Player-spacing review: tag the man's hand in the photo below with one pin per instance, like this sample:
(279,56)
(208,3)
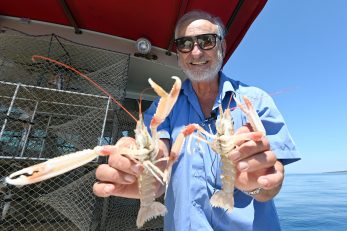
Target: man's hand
(257,167)
(119,176)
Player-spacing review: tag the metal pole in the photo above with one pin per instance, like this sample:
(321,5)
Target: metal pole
(46,134)
(106,200)
(105,119)
(29,129)
(101,221)
(9,109)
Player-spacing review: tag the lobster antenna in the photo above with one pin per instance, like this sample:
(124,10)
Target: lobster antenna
(140,100)
(231,97)
(34,57)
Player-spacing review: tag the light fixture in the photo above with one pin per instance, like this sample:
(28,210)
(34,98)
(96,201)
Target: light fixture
(143,46)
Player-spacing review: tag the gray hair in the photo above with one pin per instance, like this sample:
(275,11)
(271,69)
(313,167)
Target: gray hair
(198,14)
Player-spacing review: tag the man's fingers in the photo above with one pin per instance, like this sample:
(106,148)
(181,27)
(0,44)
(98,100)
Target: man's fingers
(274,177)
(102,189)
(121,162)
(252,146)
(105,173)
(249,148)
(256,162)
(119,176)
(267,178)
(114,182)
(124,164)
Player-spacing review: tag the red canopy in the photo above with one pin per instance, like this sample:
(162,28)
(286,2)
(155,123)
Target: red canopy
(154,19)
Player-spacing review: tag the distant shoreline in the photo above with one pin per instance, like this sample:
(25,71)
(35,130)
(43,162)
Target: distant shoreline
(309,173)
(337,172)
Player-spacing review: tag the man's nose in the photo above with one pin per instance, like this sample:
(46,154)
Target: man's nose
(196,49)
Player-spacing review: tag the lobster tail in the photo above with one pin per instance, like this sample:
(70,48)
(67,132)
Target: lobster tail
(149,212)
(223,200)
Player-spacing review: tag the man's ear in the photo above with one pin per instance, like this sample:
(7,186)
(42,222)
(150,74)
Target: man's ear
(224,47)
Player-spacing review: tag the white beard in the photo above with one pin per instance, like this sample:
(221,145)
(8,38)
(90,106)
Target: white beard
(204,75)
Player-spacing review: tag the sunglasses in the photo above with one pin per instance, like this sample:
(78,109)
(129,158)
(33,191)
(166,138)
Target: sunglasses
(204,41)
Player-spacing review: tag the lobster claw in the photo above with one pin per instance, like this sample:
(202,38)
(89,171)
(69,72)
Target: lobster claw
(52,167)
(166,102)
(252,115)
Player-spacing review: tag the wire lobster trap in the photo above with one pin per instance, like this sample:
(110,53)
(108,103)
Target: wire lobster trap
(41,123)
(38,124)
(107,68)
(46,111)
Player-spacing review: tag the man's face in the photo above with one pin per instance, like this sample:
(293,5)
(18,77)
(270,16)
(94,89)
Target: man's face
(200,65)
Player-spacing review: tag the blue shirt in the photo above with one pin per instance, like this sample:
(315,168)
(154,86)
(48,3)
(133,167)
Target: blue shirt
(196,173)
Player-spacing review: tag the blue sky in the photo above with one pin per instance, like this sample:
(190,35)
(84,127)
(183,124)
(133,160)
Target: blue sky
(301,45)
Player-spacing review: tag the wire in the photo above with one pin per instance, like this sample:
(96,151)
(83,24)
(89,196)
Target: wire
(34,57)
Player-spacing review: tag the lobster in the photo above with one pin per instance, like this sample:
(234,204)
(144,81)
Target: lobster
(224,142)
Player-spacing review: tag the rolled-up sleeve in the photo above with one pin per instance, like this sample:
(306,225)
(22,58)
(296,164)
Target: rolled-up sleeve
(281,142)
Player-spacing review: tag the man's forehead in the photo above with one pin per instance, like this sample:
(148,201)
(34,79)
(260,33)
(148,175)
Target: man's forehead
(197,26)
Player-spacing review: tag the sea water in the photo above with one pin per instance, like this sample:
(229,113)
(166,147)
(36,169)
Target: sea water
(313,202)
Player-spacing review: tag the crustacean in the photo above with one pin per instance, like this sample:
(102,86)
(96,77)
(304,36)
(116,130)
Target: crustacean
(145,152)
(224,141)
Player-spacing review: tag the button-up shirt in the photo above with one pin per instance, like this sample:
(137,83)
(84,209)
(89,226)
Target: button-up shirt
(196,174)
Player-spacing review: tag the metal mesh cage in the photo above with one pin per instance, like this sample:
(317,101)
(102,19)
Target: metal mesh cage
(107,68)
(62,203)
(41,123)
(47,110)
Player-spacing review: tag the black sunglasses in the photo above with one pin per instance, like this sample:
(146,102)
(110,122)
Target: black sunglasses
(204,41)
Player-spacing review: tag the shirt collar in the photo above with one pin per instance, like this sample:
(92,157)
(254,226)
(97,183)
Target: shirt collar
(225,87)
